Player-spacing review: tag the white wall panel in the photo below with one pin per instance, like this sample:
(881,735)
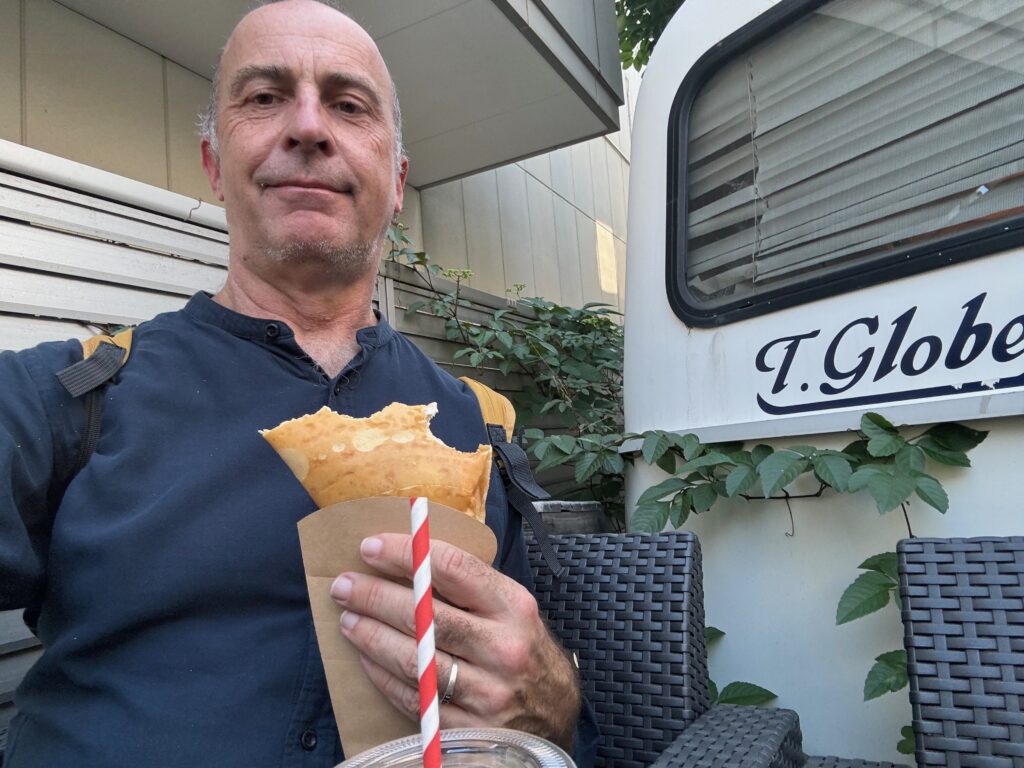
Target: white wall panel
(444,224)
(66,254)
(56,214)
(516,247)
(599,180)
(10,70)
(93,95)
(483,232)
(567,241)
(542,239)
(582,179)
(32,293)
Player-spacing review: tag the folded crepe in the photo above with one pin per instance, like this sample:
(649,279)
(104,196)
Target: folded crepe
(391,453)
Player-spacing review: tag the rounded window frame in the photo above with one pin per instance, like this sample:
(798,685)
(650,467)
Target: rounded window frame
(982,241)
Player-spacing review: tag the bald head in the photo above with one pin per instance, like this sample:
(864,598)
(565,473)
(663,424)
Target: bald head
(271,13)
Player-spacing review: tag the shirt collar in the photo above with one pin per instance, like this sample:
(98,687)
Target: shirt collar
(204,309)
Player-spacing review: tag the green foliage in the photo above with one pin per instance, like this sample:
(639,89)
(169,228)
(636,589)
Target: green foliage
(906,744)
(569,362)
(881,461)
(888,674)
(641,23)
(740,693)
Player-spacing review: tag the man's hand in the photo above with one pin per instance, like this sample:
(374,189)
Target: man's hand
(511,671)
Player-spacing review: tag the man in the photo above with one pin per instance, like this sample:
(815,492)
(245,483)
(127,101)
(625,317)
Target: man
(164,578)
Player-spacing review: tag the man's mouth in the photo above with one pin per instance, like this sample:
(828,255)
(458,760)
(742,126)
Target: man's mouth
(311,184)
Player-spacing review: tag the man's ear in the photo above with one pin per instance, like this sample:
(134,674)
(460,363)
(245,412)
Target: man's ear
(403,171)
(211,165)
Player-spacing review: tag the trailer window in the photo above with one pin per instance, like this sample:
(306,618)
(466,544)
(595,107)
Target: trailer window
(841,144)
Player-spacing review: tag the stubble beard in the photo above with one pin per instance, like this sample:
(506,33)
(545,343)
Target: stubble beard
(346,262)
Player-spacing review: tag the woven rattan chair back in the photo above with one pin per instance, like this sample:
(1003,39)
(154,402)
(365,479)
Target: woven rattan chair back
(631,607)
(963,616)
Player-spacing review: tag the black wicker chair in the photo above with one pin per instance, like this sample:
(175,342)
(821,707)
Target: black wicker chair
(963,616)
(631,607)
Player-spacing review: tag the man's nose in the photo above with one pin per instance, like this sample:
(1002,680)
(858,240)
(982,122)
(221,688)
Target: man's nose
(308,128)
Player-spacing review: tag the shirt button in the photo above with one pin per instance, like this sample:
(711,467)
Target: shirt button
(338,387)
(308,740)
(273,330)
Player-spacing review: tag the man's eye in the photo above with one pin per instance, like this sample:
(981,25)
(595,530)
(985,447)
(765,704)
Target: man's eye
(348,107)
(263,99)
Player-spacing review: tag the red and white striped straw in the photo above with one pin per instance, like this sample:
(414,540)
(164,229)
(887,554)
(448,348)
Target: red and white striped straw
(426,665)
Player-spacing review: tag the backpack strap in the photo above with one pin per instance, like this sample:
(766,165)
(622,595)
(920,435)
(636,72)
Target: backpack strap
(102,358)
(514,467)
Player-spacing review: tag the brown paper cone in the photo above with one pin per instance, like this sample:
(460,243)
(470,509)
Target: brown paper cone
(330,540)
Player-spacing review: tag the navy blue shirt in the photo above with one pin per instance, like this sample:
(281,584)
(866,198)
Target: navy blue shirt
(167,587)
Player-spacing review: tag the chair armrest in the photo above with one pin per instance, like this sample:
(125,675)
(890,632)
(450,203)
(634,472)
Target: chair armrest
(738,737)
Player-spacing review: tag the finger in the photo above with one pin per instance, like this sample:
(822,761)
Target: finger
(379,598)
(404,697)
(390,649)
(457,632)
(466,581)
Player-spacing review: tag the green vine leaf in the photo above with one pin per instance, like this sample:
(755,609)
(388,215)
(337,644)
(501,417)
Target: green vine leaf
(780,469)
(910,459)
(906,745)
(739,480)
(712,692)
(883,439)
(704,497)
(679,509)
(888,674)
(956,437)
(745,694)
(884,563)
(832,470)
(859,480)
(667,462)
(889,491)
(662,489)
(687,444)
(711,634)
(938,452)
(709,459)
(931,492)
(655,445)
(868,593)
(650,517)
(612,463)
(760,453)
(586,466)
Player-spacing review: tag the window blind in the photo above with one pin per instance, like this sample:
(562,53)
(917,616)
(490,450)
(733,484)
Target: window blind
(864,129)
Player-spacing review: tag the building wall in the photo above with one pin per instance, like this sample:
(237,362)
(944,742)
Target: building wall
(555,223)
(73,88)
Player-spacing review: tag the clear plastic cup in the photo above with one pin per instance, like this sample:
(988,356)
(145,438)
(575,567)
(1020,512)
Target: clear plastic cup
(468,748)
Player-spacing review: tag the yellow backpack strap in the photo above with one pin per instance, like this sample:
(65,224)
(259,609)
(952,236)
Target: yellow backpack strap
(102,358)
(521,488)
(122,339)
(494,406)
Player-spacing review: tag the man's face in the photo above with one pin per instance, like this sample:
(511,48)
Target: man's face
(306,166)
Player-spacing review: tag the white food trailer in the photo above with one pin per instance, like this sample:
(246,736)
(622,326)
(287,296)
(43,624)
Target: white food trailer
(826,217)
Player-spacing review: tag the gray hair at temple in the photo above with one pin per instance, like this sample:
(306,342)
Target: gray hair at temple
(208,117)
